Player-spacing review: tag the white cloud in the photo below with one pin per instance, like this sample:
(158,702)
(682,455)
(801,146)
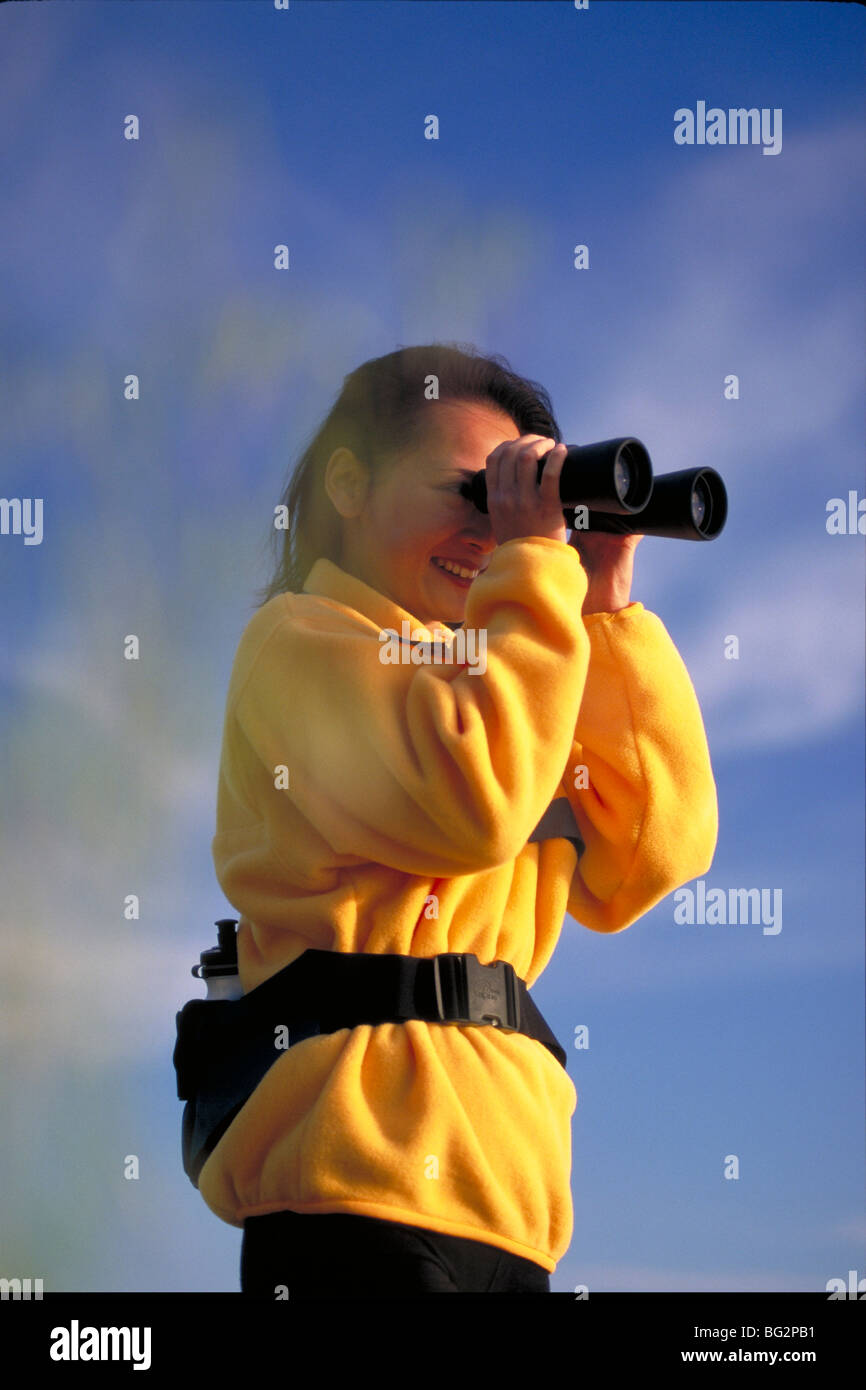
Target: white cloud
(741,299)
(171,775)
(799,675)
(92,998)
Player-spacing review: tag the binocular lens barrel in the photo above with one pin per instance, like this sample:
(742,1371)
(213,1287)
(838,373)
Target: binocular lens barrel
(689,505)
(613,482)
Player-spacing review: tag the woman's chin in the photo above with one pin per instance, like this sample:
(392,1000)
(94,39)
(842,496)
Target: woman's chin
(450,607)
(452,613)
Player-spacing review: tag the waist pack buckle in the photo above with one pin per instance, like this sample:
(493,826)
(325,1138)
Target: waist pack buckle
(469,992)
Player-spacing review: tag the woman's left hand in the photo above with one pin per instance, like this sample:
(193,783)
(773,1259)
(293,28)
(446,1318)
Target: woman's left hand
(609,562)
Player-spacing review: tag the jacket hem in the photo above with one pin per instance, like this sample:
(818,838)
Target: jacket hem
(441,1225)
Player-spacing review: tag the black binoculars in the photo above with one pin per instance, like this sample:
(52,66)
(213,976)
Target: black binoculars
(610,487)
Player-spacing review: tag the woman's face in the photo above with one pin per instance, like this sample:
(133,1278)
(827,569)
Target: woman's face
(414,511)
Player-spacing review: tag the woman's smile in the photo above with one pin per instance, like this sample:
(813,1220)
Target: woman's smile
(462,581)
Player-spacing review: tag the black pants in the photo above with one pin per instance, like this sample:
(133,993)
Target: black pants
(340,1256)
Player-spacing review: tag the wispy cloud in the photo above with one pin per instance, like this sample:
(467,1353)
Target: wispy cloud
(746,240)
(799,623)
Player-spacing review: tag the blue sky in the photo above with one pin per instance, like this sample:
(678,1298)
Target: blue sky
(306,127)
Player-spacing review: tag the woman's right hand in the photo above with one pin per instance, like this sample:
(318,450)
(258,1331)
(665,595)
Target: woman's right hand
(517,504)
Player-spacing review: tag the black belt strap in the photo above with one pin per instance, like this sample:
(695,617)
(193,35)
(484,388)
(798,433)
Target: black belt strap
(225,1047)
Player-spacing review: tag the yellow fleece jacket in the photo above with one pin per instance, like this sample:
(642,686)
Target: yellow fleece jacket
(387,807)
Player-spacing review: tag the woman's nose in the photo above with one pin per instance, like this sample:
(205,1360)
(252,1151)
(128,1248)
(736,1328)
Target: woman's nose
(480,529)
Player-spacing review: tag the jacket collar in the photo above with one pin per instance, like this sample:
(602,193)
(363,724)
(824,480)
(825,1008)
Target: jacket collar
(329,581)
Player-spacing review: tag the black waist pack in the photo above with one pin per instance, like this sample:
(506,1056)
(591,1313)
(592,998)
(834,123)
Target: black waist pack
(225,1046)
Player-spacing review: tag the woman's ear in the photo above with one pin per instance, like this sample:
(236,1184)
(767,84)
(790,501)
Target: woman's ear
(347,482)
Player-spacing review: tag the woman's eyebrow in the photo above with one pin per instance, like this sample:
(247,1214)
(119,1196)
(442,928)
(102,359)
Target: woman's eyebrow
(466,472)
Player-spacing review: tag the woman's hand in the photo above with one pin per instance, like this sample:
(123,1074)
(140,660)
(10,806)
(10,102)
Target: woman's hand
(609,562)
(518,505)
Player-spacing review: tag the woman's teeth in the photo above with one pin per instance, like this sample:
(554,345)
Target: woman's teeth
(459,571)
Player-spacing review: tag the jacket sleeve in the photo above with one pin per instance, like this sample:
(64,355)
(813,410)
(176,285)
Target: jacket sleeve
(649,815)
(431,769)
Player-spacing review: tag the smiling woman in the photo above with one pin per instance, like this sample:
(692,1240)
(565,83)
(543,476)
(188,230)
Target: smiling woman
(392,458)
(406,881)
(414,536)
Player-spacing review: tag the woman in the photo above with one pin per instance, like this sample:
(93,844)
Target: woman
(392,808)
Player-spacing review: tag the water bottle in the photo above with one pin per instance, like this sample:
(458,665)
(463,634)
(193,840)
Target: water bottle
(218,967)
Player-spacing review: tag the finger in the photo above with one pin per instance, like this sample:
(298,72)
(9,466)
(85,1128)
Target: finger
(523,464)
(515,466)
(531,456)
(509,443)
(552,469)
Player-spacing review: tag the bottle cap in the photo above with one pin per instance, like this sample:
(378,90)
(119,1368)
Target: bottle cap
(223,958)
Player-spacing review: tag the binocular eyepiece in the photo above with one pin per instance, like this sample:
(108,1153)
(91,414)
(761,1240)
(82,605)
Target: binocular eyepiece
(610,487)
